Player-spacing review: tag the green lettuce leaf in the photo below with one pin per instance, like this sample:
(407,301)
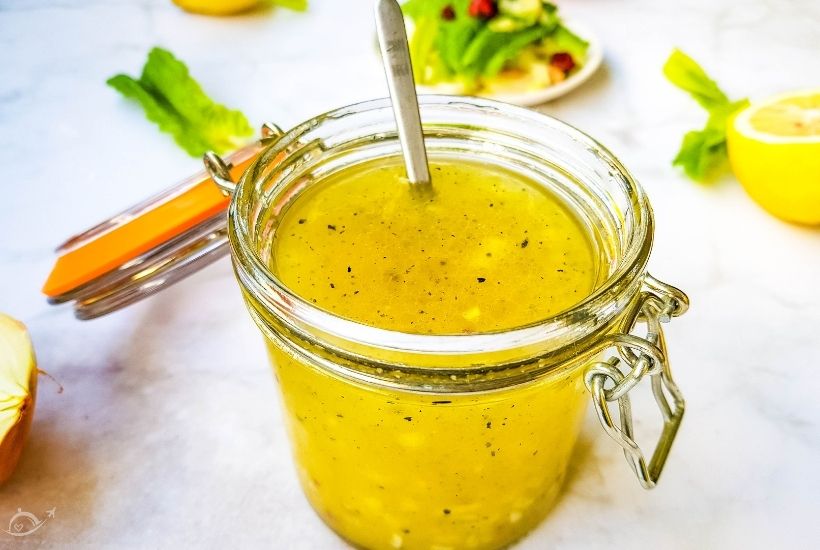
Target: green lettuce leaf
(422,46)
(481,49)
(465,49)
(514,44)
(702,152)
(564,40)
(295,5)
(454,36)
(416,9)
(173,100)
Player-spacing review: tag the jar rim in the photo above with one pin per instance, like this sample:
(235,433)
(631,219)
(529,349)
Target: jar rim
(256,277)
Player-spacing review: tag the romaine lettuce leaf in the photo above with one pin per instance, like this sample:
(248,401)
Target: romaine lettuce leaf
(564,40)
(486,43)
(173,100)
(422,44)
(514,44)
(415,9)
(455,36)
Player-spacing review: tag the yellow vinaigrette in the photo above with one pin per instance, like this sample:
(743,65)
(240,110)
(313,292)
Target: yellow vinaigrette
(488,251)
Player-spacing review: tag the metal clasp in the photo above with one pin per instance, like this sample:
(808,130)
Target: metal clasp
(643,355)
(220,170)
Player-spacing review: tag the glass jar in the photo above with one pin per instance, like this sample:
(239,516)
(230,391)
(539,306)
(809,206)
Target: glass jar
(455,441)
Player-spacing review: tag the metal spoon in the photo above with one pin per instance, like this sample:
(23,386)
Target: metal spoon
(399,73)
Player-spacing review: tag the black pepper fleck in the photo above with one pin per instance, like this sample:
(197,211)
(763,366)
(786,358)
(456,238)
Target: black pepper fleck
(331,227)
(480,279)
(301,221)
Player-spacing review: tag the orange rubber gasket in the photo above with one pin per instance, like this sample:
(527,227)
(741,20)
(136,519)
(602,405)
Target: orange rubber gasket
(123,243)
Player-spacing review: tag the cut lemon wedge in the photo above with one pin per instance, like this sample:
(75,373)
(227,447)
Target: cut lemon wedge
(18,387)
(774,149)
(788,116)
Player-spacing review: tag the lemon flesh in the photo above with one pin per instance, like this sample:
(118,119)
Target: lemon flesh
(774,150)
(18,388)
(216,7)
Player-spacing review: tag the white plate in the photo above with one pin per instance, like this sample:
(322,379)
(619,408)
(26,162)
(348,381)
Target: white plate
(595,56)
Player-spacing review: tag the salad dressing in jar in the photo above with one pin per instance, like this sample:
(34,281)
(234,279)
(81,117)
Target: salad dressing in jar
(487,250)
(434,351)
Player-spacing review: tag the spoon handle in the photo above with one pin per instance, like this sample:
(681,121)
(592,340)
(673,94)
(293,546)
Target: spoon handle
(399,73)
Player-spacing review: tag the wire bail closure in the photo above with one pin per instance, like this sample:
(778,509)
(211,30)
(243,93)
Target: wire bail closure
(646,355)
(171,235)
(220,170)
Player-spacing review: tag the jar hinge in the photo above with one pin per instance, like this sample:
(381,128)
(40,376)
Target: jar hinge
(644,355)
(219,169)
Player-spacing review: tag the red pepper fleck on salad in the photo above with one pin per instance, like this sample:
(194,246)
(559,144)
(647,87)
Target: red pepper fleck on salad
(562,61)
(482,9)
(491,46)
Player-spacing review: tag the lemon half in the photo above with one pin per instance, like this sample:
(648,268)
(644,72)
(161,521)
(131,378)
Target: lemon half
(774,150)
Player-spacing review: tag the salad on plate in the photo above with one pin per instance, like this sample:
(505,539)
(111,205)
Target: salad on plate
(509,49)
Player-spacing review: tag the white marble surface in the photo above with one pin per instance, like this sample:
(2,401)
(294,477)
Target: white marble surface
(169,433)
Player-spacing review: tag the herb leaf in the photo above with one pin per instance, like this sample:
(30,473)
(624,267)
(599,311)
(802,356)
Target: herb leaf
(173,100)
(682,71)
(702,152)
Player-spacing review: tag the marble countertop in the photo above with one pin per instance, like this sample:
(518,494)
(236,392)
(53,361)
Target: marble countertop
(169,433)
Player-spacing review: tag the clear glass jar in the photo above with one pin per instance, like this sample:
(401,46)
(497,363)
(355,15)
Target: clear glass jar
(457,441)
